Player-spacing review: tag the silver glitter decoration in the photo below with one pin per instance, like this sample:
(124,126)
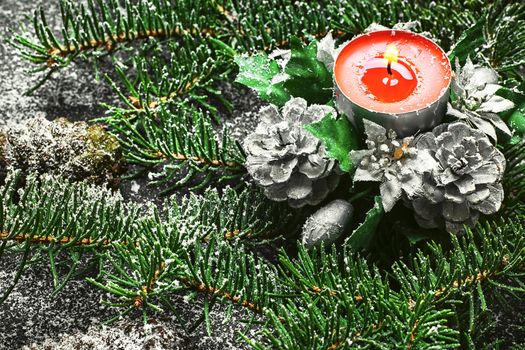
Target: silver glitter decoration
(327,224)
(477,102)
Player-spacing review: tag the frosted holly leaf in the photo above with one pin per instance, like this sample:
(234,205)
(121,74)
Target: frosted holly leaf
(495,104)
(281,56)
(374,131)
(463,75)
(309,77)
(477,78)
(258,73)
(368,174)
(391,191)
(477,103)
(326,51)
(358,155)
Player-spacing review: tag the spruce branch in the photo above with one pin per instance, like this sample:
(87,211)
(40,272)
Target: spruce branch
(514,180)
(318,299)
(488,260)
(77,217)
(264,26)
(48,215)
(184,70)
(37,239)
(418,315)
(336,296)
(506,56)
(88,29)
(146,276)
(107,24)
(183,141)
(354,17)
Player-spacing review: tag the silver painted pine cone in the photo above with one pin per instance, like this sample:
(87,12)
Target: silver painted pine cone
(288,162)
(467,181)
(327,224)
(477,103)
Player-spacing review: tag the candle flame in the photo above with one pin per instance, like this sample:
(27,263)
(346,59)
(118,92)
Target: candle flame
(391,54)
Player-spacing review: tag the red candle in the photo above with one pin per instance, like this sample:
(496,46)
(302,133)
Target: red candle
(395,73)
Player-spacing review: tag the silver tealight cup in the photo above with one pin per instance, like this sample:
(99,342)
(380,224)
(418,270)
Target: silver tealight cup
(404,124)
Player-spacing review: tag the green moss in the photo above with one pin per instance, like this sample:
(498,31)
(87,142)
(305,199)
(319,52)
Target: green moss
(101,140)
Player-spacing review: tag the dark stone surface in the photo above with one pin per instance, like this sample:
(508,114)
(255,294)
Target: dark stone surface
(31,318)
(72,93)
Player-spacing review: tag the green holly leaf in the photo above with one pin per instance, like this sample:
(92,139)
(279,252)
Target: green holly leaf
(467,44)
(412,231)
(257,72)
(363,234)
(338,136)
(309,77)
(515,118)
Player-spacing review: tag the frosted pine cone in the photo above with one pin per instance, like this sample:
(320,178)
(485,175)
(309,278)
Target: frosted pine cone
(286,160)
(467,181)
(477,102)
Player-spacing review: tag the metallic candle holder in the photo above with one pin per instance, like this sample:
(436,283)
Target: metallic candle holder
(407,122)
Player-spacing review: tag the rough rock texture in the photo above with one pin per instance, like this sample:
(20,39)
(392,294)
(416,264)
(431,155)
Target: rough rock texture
(74,150)
(31,318)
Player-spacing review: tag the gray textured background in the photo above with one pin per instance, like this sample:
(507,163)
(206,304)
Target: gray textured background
(30,318)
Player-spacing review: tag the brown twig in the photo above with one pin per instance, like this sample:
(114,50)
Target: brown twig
(203,288)
(135,101)
(228,235)
(41,239)
(138,301)
(211,162)
(109,42)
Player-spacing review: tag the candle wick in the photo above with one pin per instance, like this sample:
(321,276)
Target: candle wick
(389,67)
